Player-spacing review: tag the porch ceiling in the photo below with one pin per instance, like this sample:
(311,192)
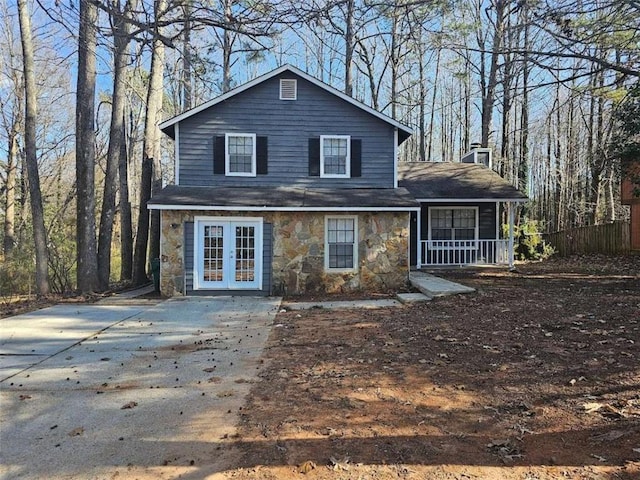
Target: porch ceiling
(455,181)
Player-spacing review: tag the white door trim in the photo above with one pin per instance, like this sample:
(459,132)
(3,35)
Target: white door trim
(199,222)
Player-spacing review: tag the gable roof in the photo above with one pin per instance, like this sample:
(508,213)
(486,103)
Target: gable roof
(453,181)
(168,126)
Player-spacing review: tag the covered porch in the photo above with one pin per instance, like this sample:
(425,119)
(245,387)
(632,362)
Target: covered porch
(460,235)
(463,207)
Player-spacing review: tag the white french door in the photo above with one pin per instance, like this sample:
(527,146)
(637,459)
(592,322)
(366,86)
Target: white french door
(228,254)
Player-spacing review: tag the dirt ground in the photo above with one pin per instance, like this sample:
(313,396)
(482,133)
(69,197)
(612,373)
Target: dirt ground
(534,376)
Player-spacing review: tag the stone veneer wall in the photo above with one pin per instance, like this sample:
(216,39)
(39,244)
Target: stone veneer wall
(298,251)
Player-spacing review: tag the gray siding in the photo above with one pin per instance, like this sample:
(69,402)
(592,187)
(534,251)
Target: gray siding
(288,126)
(267,270)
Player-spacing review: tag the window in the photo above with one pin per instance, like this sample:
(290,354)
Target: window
(288,89)
(240,154)
(335,156)
(453,223)
(341,240)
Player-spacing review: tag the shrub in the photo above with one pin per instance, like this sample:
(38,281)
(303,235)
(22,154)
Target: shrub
(528,241)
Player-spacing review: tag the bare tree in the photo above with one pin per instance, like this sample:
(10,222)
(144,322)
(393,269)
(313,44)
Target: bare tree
(489,93)
(151,166)
(30,118)
(121,39)
(126,223)
(85,148)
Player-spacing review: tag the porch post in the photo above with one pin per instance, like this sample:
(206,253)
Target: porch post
(419,239)
(512,209)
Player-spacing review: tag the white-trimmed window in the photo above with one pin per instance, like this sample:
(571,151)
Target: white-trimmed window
(240,157)
(453,223)
(341,243)
(335,156)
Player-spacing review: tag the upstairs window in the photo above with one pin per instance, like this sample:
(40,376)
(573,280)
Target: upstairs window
(341,252)
(335,156)
(240,154)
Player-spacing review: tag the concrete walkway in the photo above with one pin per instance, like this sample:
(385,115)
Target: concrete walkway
(428,285)
(103,391)
(342,304)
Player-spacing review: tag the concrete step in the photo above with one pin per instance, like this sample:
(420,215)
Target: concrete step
(433,286)
(408,298)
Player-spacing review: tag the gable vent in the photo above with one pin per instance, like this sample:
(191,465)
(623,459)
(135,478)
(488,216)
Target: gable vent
(288,89)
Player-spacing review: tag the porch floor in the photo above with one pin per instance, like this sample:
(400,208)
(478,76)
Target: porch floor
(433,286)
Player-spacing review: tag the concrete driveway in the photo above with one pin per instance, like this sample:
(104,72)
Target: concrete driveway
(130,391)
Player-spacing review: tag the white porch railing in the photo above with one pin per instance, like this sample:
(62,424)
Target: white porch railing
(464,252)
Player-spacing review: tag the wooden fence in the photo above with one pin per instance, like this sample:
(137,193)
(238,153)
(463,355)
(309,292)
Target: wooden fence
(612,238)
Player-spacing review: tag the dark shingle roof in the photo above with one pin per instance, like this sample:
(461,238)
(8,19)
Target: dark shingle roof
(452,180)
(274,198)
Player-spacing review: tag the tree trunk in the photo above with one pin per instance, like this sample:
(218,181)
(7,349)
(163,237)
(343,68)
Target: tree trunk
(87,274)
(126,225)
(523,164)
(107,216)
(186,57)
(142,239)
(227,48)
(349,45)
(10,192)
(423,99)
(433,105)
(150,160)
(31,112)
(394,64)
(490,93)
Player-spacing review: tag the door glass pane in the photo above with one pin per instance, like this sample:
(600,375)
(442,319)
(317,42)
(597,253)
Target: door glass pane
(213,253)
(245,254)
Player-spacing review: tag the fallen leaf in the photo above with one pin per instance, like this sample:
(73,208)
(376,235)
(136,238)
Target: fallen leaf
(76,432)
(129,405)
(307,466)
(340,464)
(591,407)
(209,370)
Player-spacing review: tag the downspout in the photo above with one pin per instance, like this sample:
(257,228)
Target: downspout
(419,239)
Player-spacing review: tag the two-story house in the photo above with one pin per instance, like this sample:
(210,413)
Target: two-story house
(286,185)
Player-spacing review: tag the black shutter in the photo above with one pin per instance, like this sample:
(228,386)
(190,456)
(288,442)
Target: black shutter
(356,158)
(262,155)
(218,155)
(314,157)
